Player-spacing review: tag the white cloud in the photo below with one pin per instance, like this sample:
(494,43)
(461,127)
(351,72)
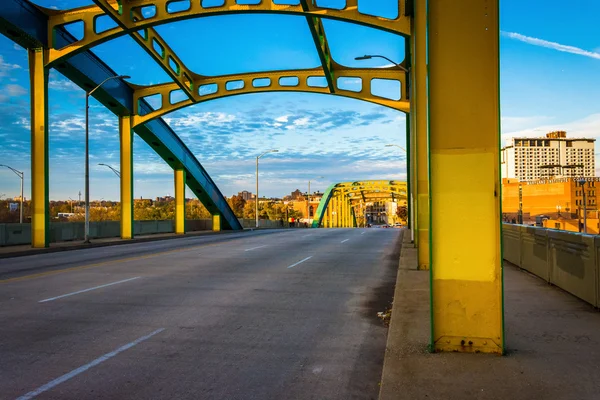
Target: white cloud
(283,118)
(510,124)
(551,45)
(5,68)
(198,119)
(63,84)
(15,90)
(588,127)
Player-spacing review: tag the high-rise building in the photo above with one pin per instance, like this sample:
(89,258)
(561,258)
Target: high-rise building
(246,195)
(550,157)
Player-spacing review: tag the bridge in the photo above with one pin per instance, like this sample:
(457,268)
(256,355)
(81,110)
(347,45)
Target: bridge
(451,68)
(340,202)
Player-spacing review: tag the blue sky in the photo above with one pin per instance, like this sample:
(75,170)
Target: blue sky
(550,79)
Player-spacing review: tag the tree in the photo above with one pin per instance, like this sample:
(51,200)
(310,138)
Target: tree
(402,213)
(237,204)
(249,211)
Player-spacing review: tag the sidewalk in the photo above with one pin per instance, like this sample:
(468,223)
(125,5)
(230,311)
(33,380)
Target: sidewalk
(27,250)
(552,340)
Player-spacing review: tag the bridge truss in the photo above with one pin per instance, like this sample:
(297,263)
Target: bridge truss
(452,52)
(339,207)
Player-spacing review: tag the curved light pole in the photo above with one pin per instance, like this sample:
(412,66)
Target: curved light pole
(117,173)
(87,153)
(256,203)
(21,175)
(308,197)
(368,57)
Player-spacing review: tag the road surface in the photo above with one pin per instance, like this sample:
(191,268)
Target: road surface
(256,315)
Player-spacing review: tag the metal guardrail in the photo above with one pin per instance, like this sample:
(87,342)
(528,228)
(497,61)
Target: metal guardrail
(568,260)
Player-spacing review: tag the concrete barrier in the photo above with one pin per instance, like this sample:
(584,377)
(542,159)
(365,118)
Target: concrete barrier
(19,234)
(262,223)
(198,225)
(534,251)
(511,243)
(568,260)
(572,261)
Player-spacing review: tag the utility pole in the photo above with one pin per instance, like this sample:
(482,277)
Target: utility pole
(582,183)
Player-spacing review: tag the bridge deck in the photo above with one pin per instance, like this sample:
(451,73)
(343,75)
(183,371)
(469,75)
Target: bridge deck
(552,341)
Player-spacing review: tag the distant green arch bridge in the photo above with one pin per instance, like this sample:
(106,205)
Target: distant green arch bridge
(339,204)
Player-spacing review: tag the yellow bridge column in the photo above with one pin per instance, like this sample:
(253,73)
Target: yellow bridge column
(413,147)
(344,212)
(419,74)
(466,258)
(40,220)
(338,209)
(179,201)
(126,144)
(330,213)
(216,222)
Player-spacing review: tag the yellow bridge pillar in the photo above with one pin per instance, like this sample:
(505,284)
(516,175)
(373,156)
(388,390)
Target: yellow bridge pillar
(179,201)
(330,213)
(345,212)
(40,220)
(419,99)
(216,223)
(126,171)
(466,258)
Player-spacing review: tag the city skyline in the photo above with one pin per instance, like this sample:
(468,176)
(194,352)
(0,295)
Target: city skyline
(550,74)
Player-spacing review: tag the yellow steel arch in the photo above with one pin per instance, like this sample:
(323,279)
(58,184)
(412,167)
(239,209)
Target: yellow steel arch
(336,208)
(210,88)
(136,15)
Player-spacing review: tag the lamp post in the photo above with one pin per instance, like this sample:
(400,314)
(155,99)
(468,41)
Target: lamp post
(370,56)
(117,173)
(71,204)
(21,175)
(308,198)
(582,183)
(257,158)
(87,153)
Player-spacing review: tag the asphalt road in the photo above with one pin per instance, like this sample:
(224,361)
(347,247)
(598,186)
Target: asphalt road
(256,315)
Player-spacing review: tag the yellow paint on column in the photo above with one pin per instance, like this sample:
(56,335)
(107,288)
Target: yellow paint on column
(413,142)
(126,171)
(216,222)
(40,220)
(338,214)
(466,258)
(421,131)
(329,214)
(344,212)
(179,201)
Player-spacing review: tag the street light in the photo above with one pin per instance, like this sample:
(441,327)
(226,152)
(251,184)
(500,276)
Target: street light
(117,173)
(308,198)
(398,146)
(257,158)
(368,57)
(21,175)
(87,153)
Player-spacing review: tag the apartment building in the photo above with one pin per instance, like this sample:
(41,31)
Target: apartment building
(550,157)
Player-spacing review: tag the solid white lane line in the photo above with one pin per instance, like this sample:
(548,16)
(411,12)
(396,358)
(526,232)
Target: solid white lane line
(85,367)
(345,240)
(87,290)
(254,248)
(363,233)
(300,262)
